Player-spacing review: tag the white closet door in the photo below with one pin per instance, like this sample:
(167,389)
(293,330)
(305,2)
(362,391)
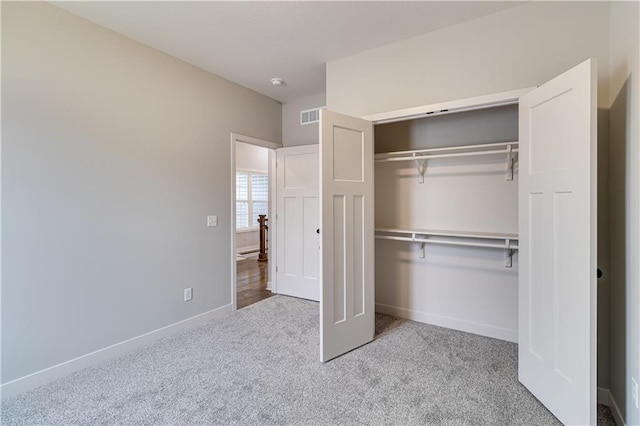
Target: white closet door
(557,225)
(347,234)
(297,241)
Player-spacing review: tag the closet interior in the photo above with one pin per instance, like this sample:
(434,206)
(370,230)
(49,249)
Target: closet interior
(446,220)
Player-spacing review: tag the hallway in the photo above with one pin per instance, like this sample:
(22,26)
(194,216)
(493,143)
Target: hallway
(251,277)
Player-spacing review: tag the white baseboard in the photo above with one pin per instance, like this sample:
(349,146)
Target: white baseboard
(50,374)
(605,397)
(448,322)
(247,249)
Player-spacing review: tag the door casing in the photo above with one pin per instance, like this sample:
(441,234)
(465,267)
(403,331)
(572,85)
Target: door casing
(272,146)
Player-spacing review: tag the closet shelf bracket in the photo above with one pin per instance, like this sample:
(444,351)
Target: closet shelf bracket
(415,239)
(508,254)
(421,167)
(510,163)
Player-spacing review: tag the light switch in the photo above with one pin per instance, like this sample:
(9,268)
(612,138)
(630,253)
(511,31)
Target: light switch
(212,220)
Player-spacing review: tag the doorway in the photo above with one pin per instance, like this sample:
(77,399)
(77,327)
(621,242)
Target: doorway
(253,187)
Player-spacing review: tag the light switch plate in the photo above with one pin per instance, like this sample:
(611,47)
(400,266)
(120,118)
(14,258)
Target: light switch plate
(212,220)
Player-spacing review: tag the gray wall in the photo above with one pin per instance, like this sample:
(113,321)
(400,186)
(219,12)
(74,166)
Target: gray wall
(252,157)
(113,154)
(506,51)
(624,196)
(293,133)
(520,47)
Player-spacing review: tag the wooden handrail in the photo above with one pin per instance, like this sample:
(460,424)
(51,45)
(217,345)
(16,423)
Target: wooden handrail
(262,220)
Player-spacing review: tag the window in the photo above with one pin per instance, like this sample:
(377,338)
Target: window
(252,198)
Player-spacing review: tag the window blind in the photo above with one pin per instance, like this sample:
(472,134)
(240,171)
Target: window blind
(252,198)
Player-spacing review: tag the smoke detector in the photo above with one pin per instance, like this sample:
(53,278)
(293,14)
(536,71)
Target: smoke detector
(278,82)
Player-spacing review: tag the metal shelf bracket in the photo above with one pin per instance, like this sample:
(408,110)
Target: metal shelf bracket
(421,166)
(508,254)
(510,163)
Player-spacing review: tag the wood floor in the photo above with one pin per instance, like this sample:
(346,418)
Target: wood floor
(251,278)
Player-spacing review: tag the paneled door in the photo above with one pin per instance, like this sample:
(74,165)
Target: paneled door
(297,240)
(347,234)
(557,226)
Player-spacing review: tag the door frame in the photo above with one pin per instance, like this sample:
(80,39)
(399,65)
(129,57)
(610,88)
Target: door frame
(272,146)
(467,104)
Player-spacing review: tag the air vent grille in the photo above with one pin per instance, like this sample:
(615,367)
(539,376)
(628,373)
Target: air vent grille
(309,116)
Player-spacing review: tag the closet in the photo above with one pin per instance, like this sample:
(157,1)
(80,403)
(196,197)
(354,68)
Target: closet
(446,220)
(475,226)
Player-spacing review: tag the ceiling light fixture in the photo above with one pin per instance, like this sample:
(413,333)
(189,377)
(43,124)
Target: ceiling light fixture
(278,82)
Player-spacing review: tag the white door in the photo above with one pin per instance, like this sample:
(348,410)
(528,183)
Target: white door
(346,234)
(297,241)
(557,225)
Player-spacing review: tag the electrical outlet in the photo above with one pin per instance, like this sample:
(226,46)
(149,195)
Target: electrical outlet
(634,392)
(212,220)
(188,294)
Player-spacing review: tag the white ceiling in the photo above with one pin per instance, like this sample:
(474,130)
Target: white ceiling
(251,42)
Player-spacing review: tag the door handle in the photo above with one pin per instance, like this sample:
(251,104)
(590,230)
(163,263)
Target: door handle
(318,231)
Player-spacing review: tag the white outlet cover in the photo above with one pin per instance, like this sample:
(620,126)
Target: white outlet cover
(188,294)
(212,220)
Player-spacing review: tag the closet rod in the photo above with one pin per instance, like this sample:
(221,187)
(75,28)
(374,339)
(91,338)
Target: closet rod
(449,148)
(454,234)
(457,154)
(443,242)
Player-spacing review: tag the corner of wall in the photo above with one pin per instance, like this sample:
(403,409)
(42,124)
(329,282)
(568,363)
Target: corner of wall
(293,133)
(624,193)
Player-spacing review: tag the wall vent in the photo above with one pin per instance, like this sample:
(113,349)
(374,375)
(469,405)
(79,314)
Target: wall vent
(309,116)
